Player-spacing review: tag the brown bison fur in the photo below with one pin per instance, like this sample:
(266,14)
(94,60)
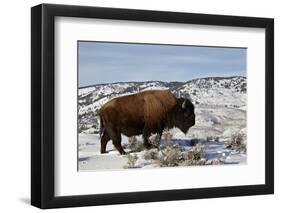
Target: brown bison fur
(143,113)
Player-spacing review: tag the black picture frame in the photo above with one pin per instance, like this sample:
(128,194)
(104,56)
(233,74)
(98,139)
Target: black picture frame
(43,102)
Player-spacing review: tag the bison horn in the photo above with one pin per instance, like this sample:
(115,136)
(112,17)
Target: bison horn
(183,104)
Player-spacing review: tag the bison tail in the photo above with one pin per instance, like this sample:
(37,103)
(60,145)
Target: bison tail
(101,126)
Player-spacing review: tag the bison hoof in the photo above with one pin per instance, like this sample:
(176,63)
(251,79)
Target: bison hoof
(148,146)
(123,153)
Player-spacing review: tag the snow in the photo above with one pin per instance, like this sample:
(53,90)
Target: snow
(217,121)
(90,159)
(220,109)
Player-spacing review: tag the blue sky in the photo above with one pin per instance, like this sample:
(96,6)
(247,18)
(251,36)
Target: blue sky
(105,62)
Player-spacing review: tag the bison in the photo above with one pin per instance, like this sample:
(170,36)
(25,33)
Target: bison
(143,113)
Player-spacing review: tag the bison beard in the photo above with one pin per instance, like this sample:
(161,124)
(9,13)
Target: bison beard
(143,113)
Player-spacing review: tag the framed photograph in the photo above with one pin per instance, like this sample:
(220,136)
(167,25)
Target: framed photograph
(139,106)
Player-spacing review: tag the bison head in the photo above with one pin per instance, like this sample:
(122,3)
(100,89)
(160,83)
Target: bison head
(184,116)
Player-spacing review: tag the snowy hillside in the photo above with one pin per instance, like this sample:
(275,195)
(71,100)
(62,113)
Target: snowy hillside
(220,110)
(214,92)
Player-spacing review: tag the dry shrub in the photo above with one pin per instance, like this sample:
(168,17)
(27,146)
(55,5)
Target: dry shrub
(134,145)
(131,160)
(199,162)
(237,143)
(167,138)
(195,156)
(216,162)
(154,140)
(170,156)
(151,154)
(196,153)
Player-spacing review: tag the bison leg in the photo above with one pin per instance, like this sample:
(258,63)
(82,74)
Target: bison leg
(116,140)
(145,136)
(104,139)
(117,144)
(115,136)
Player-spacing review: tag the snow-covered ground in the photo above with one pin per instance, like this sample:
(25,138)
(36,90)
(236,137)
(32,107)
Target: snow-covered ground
(90,159)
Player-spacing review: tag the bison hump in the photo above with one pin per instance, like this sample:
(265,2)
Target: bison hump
(157,105)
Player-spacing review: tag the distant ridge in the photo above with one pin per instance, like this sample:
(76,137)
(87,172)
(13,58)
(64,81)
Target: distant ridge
(179,82)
